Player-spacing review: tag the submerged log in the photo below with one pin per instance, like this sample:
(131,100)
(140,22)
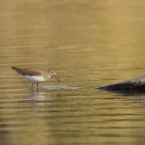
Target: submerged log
(132,84)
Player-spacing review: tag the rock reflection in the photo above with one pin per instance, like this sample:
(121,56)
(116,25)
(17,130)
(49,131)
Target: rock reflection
(140,94)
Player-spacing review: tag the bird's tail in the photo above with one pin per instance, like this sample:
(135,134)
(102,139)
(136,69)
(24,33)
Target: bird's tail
(16,69)
(13,67)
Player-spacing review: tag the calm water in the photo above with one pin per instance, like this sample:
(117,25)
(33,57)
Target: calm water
(89,44)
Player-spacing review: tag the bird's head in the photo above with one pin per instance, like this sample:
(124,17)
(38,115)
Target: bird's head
(52,73)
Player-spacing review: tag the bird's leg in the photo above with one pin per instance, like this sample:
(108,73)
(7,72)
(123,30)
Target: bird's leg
(32,87)
(37,87)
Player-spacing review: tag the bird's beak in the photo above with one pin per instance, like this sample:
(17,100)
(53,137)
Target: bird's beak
(57,78)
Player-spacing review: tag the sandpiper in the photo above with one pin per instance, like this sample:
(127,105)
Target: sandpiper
(35,75)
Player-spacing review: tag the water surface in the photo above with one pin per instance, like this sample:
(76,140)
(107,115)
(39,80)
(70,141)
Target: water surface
(89,44)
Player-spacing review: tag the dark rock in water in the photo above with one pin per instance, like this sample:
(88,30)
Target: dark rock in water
(133,84)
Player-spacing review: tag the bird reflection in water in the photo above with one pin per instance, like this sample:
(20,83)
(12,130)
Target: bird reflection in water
(35,96)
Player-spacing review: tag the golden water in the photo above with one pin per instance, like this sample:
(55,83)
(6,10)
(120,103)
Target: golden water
(89,44)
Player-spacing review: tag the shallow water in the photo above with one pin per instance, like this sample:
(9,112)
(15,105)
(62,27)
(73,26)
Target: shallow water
(88,44)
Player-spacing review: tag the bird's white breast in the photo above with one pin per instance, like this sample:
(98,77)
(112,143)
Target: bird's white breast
(35,79)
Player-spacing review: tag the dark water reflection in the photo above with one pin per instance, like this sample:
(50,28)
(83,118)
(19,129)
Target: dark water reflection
(88,44)
(139,94)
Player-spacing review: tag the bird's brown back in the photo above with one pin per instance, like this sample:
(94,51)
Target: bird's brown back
(31,71)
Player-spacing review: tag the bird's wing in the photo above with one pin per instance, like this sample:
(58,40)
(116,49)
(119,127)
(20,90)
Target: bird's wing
(29,71)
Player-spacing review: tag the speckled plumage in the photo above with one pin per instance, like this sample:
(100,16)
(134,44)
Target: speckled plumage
(35,75)
(32,71)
